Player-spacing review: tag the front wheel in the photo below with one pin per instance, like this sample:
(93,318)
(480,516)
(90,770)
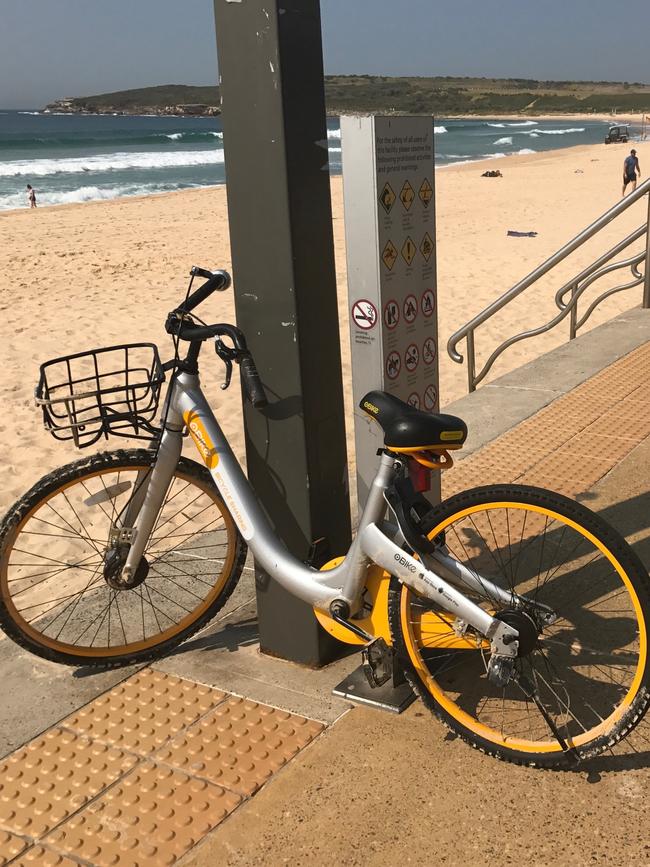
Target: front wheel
(582,681)
(57,596)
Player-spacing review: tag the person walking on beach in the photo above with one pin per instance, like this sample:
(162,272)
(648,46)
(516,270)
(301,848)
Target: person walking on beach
(31,195)
(630,168)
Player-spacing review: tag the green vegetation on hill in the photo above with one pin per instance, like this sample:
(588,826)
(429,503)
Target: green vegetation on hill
(366,93)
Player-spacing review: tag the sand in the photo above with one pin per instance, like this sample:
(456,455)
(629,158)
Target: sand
(81,276)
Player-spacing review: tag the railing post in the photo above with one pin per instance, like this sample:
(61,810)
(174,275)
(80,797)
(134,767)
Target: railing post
(646,276)
(471,362)
(573,318)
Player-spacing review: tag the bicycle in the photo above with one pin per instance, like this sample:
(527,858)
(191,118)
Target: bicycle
(518,616)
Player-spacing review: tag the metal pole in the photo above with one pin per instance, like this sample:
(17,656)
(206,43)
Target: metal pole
(646,280)
(471,362)
(573,316)
(275,141)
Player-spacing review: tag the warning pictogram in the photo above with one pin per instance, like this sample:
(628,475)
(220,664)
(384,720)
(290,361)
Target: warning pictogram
(387,198)
(426,192)
(408,251)
(430,398)
(412,357)
(389,255)
(391,315)
(426,247)
(407,195)
(393,365)
(414,400)
(410,308)
(364,314)
(429,350)
(428,302)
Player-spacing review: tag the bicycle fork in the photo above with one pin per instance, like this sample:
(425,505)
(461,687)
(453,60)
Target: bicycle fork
(142,512)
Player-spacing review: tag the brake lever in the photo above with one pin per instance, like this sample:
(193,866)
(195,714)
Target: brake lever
(227,355)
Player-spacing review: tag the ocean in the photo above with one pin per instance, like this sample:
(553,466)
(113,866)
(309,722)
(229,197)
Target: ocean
(79,158)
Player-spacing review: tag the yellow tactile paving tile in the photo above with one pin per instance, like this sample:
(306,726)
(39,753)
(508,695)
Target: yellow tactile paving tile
(241,744)
(10,847)
(151,818)
(39,856)
(145,711)
(576,440)
(595,445)
(52,777)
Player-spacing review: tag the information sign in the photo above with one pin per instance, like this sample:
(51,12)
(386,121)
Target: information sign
(389,196)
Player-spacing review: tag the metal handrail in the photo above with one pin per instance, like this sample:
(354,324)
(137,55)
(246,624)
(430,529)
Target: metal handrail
(575,287)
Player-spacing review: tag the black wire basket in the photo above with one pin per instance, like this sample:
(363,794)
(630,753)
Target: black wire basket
(112,391)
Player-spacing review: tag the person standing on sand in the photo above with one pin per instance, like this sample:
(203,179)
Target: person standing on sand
(630,168)
(31,195)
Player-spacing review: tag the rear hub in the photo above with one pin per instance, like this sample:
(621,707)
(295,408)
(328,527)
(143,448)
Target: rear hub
(525,626)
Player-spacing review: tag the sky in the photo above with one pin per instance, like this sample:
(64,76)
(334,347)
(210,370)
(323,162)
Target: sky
(55,48)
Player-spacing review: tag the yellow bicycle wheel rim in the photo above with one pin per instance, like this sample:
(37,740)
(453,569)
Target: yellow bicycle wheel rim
(409,633)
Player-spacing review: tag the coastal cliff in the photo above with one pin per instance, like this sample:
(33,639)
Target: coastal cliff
(168,99)
(443,96)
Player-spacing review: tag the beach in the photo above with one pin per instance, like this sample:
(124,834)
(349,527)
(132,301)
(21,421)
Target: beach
(81,276)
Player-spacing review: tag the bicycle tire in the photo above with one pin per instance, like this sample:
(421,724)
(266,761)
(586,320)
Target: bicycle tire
(449,678)
(32,518)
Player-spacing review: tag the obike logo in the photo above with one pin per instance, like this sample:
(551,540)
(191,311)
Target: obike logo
(404,562)
(201,440)
(237,511)
(370,407)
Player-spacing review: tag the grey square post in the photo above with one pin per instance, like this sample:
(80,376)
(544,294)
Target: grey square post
(275,141)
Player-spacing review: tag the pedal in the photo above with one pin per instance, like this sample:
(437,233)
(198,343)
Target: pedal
(377,662)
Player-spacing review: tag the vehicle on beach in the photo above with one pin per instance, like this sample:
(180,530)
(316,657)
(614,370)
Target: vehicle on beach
(617,134)
(519,616)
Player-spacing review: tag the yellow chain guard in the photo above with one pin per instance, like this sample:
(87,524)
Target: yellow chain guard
(375,618)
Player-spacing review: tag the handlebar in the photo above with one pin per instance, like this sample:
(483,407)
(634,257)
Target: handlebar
(252,382)
(183,328)
(217,281)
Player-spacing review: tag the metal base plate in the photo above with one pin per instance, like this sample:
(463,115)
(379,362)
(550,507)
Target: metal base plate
(356,688)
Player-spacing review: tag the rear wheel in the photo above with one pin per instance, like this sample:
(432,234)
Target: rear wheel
(58,597)
(583,679)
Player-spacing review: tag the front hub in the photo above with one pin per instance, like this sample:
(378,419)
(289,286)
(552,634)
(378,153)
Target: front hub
(114,561)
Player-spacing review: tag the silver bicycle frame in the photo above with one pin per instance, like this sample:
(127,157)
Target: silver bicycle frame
(377,541)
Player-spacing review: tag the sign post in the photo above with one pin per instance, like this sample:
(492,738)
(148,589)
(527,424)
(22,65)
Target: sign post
(275,140)
(388,188)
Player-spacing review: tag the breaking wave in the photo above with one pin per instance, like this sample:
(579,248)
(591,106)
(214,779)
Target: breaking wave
(559,131)
(87,194)
(40,168)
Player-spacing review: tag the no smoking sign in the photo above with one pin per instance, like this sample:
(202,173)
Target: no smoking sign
(364,314)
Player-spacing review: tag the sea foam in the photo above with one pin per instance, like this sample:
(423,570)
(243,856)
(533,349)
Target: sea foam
(559,131)
(40,168)
(88,194)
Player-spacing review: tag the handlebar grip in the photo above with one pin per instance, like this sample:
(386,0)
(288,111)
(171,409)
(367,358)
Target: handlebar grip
(217,281)
(252,382)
